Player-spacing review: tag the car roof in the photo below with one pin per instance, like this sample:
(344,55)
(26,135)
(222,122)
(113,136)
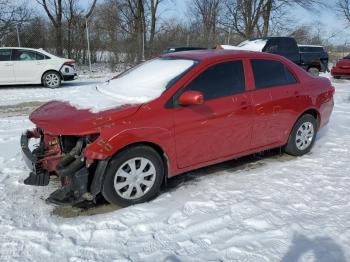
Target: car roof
(26,48)
(217,54)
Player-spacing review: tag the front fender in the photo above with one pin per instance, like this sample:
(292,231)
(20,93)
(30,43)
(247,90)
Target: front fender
(108,144)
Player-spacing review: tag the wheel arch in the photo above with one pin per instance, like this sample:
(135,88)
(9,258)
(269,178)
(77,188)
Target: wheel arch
(314,112)
(97,181)
(50,70)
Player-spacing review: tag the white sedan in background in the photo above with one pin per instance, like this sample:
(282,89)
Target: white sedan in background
(34,66)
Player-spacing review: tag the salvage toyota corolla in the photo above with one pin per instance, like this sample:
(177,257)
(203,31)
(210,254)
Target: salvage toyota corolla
(169,115)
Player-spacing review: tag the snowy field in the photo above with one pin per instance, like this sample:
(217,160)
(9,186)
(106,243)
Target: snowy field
(262,208)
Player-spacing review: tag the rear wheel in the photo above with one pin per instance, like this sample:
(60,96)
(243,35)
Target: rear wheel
(314,71)
(51,79)
(302,136)
(133,176)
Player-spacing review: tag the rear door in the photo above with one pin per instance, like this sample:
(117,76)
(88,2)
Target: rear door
(222,125)
(7,75)
(28,66)
(275,101)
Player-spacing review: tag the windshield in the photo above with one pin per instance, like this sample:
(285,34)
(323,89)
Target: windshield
(146,81)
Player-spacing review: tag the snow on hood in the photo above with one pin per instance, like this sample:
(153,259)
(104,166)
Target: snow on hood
(248,45)
(138,85)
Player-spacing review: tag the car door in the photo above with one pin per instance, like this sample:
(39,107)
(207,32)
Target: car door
(7,75)
(219,127)
(275,101)
(28,66)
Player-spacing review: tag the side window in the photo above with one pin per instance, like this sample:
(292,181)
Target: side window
(24,55)
(5,54)
(40,56)
(269,73)
(220,80)
(271,46)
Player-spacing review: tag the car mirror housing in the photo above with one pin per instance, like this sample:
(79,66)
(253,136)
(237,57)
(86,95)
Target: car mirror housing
(191,98)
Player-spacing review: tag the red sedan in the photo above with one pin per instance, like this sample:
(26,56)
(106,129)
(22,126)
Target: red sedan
(214,105)
(342,68)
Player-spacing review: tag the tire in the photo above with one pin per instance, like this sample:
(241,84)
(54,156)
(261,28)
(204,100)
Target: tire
(123,187)
(299,142)
(336,77)
(51,79)
(314,71)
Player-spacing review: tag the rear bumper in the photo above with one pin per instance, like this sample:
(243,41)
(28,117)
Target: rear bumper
(340,72)
(70,77)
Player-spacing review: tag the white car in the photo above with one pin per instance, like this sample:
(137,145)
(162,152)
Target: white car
(34,66)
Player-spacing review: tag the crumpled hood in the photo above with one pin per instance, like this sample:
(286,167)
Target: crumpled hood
(61,118)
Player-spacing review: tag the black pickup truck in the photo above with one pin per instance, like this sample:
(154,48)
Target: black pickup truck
(313,59)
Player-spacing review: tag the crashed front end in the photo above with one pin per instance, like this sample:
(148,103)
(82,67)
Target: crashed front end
(61,156)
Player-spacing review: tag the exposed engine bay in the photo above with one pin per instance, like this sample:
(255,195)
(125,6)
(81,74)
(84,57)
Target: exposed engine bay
(61,156)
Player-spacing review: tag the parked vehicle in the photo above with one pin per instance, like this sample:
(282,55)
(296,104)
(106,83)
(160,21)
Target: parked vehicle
(20,65)
(342,68)
(208,106)
(181,49)
(313,59)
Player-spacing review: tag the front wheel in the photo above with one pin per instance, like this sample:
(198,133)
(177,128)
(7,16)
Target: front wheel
(302,136)
(51,79)
(133,176)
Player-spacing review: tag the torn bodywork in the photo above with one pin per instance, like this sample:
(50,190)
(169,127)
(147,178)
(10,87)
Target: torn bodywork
(60,156)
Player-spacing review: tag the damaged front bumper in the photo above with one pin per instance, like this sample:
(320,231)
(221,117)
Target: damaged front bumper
(37,176)
(70,168)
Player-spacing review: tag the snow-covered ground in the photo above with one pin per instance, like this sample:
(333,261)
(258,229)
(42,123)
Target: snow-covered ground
(268,208)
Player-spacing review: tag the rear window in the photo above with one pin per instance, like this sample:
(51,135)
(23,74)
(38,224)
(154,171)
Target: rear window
(270,73)
(5,55)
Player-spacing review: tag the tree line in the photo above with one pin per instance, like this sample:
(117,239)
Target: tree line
(128,31)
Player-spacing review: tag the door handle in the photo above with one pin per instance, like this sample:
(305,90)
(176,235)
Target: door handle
(296,93)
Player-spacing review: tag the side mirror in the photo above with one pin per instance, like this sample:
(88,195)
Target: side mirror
(191,98)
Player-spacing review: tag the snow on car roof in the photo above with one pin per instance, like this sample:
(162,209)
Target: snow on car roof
(248,45)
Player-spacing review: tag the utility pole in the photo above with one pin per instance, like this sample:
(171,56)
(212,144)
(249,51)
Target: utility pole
(88,43)
(18,40)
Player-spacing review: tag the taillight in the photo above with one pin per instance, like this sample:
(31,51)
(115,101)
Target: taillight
(69,63)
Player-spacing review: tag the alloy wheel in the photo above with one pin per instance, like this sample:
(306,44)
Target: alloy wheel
(52,80)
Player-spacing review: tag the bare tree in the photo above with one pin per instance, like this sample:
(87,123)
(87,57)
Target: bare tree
(11,14)
(243,16)
(207,12)
(55,11)
(344,8)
